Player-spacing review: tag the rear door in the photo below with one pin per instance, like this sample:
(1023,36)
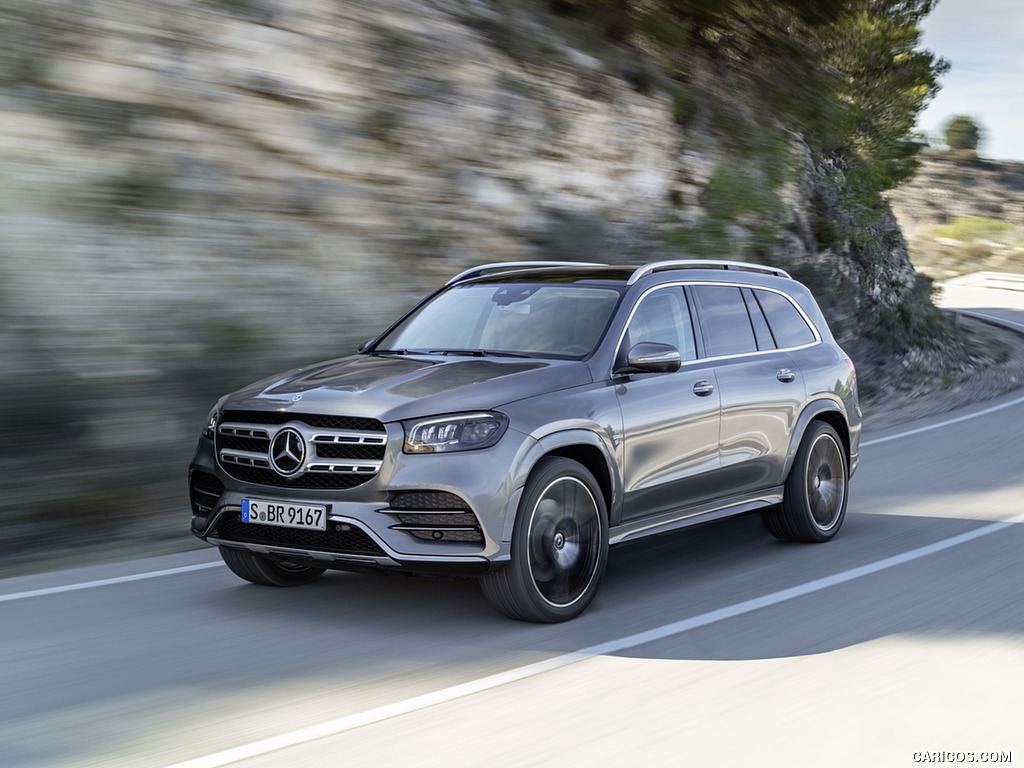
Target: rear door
(761,388)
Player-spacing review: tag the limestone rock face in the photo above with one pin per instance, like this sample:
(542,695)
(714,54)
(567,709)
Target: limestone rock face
(232,155)
(241,158)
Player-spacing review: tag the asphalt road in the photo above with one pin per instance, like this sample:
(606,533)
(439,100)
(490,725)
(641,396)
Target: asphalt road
(900,640)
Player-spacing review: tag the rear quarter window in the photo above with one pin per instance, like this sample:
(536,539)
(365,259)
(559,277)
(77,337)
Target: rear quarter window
(787,324)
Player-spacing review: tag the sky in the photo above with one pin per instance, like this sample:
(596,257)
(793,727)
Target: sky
(984,42)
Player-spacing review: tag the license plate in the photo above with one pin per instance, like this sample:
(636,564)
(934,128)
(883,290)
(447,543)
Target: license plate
(284,514)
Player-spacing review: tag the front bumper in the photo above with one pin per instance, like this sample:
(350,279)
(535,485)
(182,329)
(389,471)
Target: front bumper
(364,528)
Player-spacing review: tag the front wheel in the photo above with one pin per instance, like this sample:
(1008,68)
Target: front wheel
(266,572)
(814,504)
(559,546)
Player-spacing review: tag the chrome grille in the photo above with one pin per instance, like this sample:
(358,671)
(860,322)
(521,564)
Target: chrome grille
(341,451)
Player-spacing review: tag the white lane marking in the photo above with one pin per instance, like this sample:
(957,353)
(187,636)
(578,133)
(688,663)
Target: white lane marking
(416,703)
(994,318)
(108,582)
(946,423)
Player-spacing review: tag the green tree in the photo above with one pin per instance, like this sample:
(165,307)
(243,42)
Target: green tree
(719,26)
(884,81)
(963,133)
(847,74)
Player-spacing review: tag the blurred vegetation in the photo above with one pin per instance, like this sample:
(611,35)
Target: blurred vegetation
(977,228)
(963,133)
(737,192)
(846,74)
(914,322)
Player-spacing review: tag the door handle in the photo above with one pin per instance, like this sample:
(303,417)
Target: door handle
(785,375)
(703,388)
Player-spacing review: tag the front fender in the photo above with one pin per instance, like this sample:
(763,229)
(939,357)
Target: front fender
(582,445)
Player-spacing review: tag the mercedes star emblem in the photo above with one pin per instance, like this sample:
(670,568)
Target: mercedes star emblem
(287,452)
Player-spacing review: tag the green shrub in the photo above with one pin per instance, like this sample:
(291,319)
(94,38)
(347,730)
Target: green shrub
(641,76)
(383,124)
(684,105)
(23,67)
(963,133)
(914,322)
(140,188)
(973,228)
(709,241)
(825,232)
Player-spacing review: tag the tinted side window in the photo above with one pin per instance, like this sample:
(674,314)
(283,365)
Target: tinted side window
(727,328)
(662,316)
(787,324)
(762,332)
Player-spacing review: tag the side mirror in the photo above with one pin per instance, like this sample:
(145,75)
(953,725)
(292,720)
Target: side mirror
(651,357)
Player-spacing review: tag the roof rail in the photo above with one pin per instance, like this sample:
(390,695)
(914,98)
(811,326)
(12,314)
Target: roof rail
(483,269)
(660,266)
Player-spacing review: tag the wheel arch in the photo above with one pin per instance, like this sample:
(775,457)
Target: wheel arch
(587,449)
(829,411)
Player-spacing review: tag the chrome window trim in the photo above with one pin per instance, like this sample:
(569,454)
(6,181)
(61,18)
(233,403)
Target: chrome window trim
(755,353)
(786,296)
(632,312)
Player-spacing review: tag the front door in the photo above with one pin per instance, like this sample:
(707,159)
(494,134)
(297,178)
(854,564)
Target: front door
(670,420)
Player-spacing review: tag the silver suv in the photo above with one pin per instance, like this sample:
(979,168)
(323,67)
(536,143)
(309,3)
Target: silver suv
(525,417)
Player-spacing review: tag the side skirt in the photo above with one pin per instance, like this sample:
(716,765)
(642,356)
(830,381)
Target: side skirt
(671,521)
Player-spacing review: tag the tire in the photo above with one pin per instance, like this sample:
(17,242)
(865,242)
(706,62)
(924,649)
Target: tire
(559,546)
(814,502)
(266,572)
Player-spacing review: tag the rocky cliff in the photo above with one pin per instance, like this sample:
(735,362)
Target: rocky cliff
(195,193)
(963,214)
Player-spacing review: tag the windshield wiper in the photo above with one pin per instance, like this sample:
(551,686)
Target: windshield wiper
(477,353)
(400,352)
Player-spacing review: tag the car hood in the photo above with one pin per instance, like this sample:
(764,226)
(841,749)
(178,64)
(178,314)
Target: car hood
(390,388)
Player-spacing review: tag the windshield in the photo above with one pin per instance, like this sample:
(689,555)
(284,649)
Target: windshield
(536,319)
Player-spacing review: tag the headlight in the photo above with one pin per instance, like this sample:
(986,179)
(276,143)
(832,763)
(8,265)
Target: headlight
(210,428)
(454,433)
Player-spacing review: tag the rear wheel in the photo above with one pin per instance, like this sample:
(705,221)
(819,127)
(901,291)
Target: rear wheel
(266,572)
(559,546)
(814,504)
